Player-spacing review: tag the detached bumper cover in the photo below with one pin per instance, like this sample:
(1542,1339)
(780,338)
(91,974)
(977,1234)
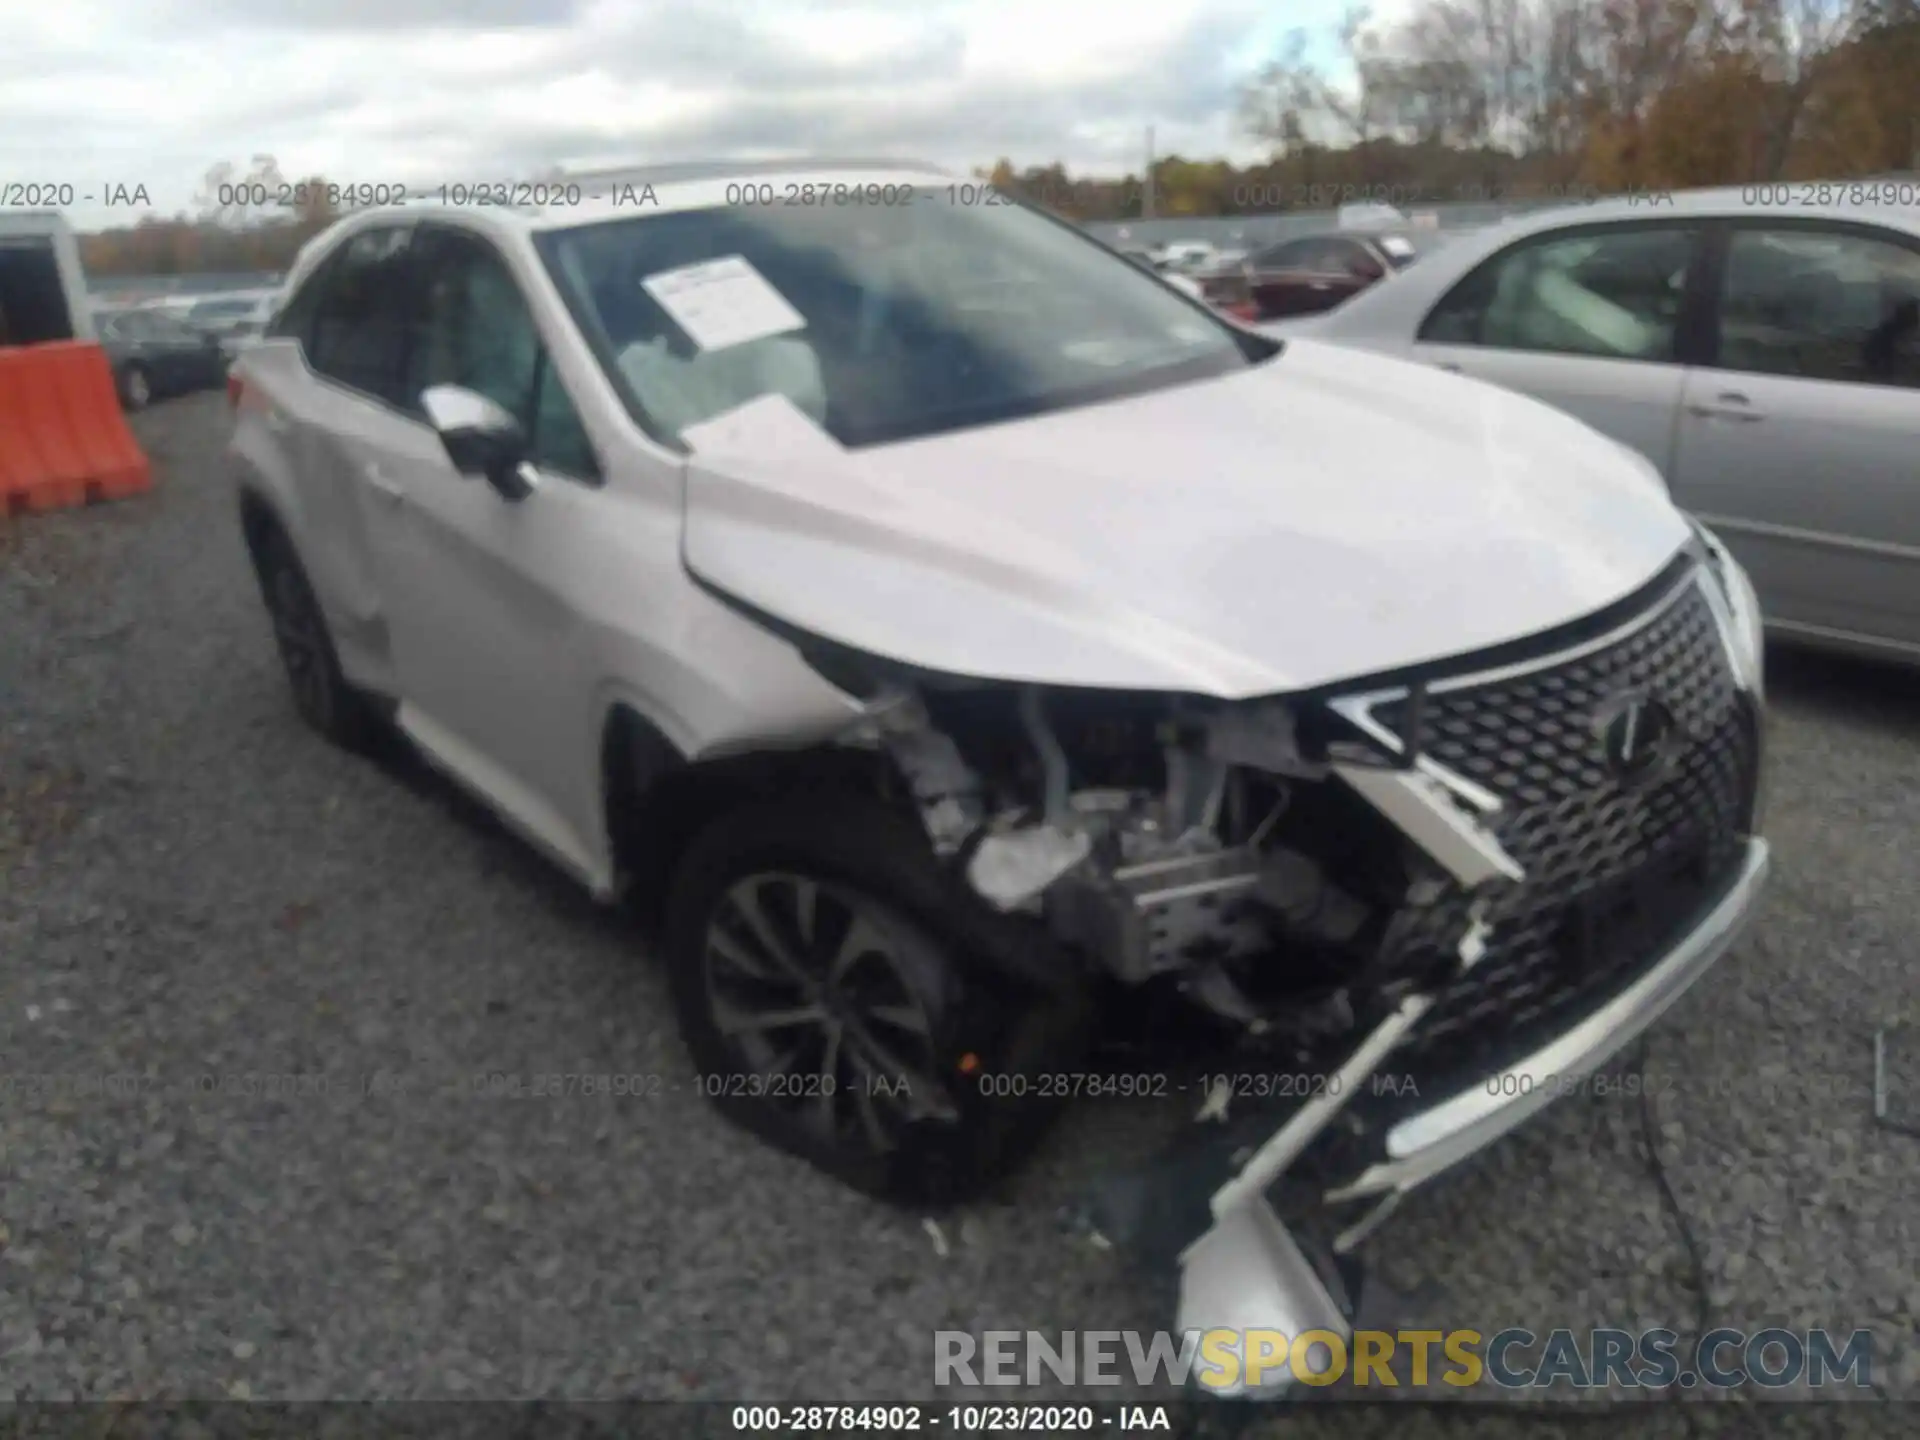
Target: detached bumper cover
(1247,1271)
(1420,1146)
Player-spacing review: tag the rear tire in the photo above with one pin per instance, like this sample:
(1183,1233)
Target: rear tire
(326,701)
(824,940)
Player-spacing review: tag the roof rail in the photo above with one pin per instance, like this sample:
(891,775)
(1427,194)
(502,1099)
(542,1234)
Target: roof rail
(674,171)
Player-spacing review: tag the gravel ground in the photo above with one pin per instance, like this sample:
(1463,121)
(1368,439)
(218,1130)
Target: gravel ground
(192,884)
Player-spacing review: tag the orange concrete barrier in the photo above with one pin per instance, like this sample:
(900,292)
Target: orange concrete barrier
(63,440)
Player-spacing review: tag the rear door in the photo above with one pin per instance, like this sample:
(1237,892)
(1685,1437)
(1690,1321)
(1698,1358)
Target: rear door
(334,409)
(1800,438)
(1597,320)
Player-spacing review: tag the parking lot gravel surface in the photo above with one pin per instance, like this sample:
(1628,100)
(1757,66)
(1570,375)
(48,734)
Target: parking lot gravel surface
(195,890)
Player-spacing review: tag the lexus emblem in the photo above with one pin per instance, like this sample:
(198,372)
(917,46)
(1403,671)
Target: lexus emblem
(1636,736)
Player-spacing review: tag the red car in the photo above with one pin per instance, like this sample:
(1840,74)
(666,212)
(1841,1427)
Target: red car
(1307,275)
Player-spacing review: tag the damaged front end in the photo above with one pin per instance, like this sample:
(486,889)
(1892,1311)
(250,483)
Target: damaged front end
(1264,865)
(1465,877)
(1225,852)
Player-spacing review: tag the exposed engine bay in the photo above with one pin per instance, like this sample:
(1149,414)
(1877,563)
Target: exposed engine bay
(1267,860)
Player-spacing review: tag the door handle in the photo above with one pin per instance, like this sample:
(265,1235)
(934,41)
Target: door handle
(1732,406)
(384,485)
(1452,367)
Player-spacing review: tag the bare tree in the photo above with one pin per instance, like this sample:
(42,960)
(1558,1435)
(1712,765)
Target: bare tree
(1514,73)
(239,199)
(1792,41)
(1434,103)
(1272,107)
(1294,103)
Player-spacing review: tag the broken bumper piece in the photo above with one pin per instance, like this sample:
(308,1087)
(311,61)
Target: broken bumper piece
(1208,1208)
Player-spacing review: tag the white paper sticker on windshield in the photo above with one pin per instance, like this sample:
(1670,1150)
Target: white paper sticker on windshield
(723,302)
(1396,246)
(769,425)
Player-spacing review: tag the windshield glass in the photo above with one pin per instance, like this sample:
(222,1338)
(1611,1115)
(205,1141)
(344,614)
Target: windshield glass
(879,322)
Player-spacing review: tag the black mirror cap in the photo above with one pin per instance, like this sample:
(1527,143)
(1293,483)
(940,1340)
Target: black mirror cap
(491,454)
(481,438)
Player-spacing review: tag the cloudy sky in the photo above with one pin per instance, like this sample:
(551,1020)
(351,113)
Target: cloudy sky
(98,93)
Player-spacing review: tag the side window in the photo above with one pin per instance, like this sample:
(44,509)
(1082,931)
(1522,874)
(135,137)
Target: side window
(477,332)
(1289,255)
(1613,293)
(1323,255)
(1822,305)
(359,328)
(294,319)
(559,439)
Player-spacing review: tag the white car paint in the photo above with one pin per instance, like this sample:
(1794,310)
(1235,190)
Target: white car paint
(1322,517)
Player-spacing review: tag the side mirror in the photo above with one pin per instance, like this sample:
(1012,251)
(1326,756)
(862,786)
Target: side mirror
(481,438)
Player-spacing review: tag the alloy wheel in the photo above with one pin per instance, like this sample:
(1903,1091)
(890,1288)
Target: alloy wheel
(811,985)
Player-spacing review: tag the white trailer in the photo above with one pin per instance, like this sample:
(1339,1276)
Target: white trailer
(43,290)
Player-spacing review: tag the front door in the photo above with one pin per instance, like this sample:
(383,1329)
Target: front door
(1589,320)
(495,661)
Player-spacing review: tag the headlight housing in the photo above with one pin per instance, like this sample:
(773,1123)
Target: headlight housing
(1741,623)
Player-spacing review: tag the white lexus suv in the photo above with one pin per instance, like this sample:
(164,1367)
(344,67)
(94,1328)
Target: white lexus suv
(965,649)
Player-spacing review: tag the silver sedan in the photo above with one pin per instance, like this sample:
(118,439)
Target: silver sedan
(1761,346)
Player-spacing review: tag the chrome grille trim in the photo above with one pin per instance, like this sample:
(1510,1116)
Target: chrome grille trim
(1359,708)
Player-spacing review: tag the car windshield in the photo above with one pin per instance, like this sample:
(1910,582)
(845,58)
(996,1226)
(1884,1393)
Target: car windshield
(880,323)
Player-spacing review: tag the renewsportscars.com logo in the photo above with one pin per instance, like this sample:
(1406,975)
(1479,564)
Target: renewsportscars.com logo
(1512,1359)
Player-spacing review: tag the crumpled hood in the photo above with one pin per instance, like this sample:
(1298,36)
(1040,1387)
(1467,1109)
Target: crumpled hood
(1325,516)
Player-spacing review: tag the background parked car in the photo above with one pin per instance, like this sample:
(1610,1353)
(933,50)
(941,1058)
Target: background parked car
(236,320)
(154,355)
(1185,257)
(175,307)
(1308,275)
(1145,259)
(1767,363)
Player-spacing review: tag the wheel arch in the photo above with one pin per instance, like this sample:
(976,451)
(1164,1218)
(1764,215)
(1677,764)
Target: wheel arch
(656,802)
(260,518)
(655,798)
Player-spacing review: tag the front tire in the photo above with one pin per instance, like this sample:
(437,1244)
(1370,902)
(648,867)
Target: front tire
(821,973)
